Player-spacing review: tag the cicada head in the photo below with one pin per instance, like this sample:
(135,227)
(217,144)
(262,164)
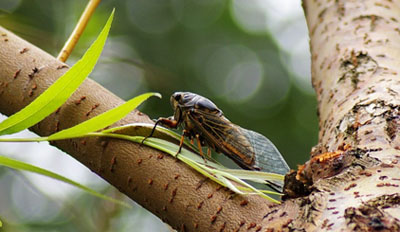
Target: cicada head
(174,100)
(187,101)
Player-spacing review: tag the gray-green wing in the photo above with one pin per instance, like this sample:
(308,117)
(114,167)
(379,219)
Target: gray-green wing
(267,157)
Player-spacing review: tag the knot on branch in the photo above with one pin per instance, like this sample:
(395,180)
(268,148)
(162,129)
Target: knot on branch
(321,166)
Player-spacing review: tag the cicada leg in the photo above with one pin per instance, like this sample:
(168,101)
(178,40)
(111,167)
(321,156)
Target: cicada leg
(171,123)
(200,147)
(181,142)
(209,152)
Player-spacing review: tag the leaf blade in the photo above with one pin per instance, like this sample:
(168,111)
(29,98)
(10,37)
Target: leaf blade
(19,165)
(221,175)
(56,95)
(103,120)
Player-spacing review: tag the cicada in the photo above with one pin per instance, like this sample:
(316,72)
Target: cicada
(204,121)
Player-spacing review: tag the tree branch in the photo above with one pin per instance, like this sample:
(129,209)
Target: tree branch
(168,188)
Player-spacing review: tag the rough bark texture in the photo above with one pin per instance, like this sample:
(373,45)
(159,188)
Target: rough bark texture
(351,182)
(168,188)
(355,72)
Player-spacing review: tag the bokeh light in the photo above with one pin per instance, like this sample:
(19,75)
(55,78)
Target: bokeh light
(8,6)
(233,72)
(197,14)
(151,16)
(284,19)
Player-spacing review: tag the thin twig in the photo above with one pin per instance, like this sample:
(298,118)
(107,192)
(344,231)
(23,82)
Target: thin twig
(80,27)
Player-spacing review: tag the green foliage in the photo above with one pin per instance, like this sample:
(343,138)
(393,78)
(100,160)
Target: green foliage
(15,164)
(230,178)
(167,141)
(102,120)
(145,129)
(58,92)
(54,97)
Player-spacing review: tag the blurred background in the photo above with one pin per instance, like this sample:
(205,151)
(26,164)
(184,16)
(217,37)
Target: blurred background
(250,57)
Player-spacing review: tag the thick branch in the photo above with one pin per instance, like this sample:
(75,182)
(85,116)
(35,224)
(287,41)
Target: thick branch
(168,188)
(355,72)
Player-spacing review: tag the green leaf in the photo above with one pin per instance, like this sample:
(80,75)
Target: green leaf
(218,173)
(103,120)
(229,184)
(144,129)
(258,177)
(15,164)
(214,171)
(1,224)
(60,91)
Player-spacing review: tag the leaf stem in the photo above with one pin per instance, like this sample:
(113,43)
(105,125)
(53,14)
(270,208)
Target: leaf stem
(38,139)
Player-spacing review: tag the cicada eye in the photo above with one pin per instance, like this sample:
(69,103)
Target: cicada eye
(177,96)
(178,114)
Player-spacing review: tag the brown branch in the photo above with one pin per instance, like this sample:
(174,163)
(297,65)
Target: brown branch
(170,189)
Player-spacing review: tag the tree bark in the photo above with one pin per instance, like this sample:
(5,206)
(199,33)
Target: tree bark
(351,182)
(354,171)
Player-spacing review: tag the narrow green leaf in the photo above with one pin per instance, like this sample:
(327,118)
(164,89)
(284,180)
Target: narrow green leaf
(60,91)
(213,171)
(1,224)
(228,183)
(15,164)
(144,129)
(209,169)
(230,178)
(103,120)
(259,177)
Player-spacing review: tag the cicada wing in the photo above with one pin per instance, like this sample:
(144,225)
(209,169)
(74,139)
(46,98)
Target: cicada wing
(267,156)
(249,149)
(225,137)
